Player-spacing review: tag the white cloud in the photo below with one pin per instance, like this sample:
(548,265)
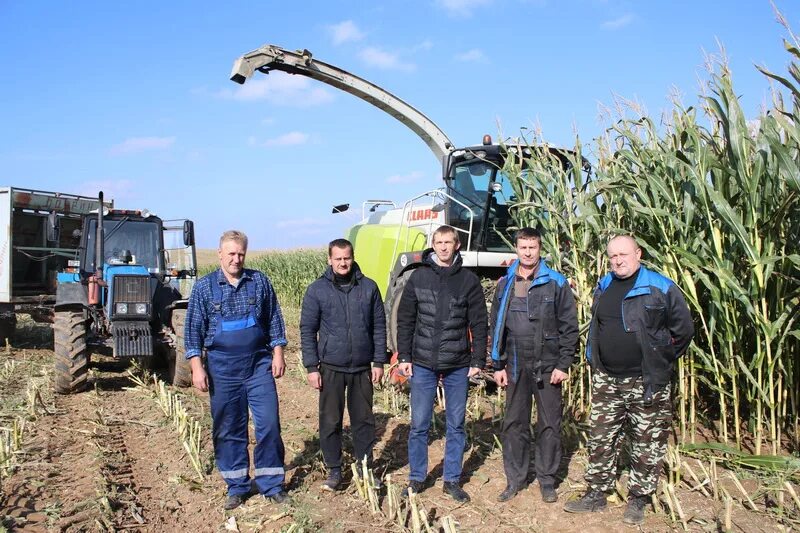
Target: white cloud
(405,178)
(280,88)
(617,23)
(292,138)
(462,8)
(472,56)
(427,44)
(344,32)
(117,190)
(134,145)
(375,57)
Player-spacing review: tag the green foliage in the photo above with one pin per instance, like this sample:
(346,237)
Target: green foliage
(714,200)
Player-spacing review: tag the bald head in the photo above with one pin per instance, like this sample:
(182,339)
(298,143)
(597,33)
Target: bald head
(624,256)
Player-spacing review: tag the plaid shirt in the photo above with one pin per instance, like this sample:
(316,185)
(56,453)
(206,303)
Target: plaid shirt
(201,318)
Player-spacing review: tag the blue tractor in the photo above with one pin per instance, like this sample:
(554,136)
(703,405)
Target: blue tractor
(125,295)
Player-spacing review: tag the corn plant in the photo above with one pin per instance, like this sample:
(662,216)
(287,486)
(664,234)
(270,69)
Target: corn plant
(714,200)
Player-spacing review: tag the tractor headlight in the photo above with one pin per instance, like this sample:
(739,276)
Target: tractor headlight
(121,309)
(141,309)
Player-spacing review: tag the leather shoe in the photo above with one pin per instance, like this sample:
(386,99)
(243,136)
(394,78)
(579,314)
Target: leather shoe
(455,491)
(279,497)
(549,494)
(508,493)
(414,486)
(233,501)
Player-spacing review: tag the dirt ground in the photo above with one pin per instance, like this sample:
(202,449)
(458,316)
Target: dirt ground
(110,460)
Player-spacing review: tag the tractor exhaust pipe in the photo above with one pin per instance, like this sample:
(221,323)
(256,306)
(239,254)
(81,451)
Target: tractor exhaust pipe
(96,278)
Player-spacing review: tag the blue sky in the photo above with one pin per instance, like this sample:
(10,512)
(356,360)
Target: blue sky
(133,97)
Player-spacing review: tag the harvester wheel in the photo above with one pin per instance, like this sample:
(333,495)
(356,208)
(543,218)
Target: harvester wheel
(71,355)
(179,369)
(393,304)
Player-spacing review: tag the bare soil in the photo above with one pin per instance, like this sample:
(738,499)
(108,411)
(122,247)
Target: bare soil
(108,459)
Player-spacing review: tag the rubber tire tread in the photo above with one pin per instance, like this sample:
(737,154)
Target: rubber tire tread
(392,307)
(180,368)
(71,368)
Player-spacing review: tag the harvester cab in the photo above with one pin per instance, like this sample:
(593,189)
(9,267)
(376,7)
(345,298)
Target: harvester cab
(121,294)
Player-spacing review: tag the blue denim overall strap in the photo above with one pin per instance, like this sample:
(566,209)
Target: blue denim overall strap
(241,379)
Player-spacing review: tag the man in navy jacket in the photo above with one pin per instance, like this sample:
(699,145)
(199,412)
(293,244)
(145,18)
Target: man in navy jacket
(343,338)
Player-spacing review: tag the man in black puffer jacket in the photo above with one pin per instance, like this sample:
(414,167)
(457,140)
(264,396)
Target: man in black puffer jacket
(441,332)
(343,335)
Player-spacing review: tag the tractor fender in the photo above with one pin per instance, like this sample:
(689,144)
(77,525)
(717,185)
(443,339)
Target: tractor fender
(71,295)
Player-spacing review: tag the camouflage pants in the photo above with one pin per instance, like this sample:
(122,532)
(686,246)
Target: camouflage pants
(617,402)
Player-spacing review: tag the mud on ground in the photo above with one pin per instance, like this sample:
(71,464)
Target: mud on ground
(110,460)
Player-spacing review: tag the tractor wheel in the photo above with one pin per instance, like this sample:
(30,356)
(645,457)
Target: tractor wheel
(71,355)
(179,369)
(8,325)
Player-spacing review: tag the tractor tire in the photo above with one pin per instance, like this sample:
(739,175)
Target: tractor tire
(71,354)
(179,370)
(8,325)
(392,305)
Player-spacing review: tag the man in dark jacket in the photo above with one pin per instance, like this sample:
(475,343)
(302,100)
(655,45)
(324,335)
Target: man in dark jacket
(441,333)
(640,326)
(343,337)
(534,329)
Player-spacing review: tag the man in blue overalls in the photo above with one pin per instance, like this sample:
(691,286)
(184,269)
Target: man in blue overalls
(234,315)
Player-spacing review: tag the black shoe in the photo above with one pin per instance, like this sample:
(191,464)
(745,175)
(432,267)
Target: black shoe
(549,494)
(279,497)
(334,479)
(509,492)
(590,502)
(455,491)
(414,486)
(634,512)
(233,501)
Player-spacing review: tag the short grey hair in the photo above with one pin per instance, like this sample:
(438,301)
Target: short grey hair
(233,235)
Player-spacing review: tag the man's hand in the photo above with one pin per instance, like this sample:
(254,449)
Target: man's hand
(557,376)
(278,363)
(473,371)
(199,376)
(377,374)
(405,369)
(315,380)
(501,378)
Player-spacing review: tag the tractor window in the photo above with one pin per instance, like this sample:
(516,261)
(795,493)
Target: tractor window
(139,237)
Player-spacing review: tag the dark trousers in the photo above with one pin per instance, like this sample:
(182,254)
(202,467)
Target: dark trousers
(522,388)
(356,390)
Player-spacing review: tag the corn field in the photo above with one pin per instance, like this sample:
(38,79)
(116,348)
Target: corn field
(714,200)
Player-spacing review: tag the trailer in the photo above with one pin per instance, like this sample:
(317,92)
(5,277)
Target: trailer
(41,234)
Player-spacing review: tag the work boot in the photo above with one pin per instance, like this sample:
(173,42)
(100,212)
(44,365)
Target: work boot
(415,486)
(549,494)
(334,479)
(279,497)
(634,512)
(590,502)
(233,501)
(455,491)
(509,492)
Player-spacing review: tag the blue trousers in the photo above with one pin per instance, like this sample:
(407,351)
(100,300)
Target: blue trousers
(423,394)
(230,398)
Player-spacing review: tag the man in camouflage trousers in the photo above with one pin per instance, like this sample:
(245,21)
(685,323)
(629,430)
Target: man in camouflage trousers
(640,325)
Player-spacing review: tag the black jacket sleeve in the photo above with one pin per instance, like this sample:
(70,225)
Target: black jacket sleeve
(476,315)
(567,318)
(378,328)
(406,321)
(679,321)
(309,327)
